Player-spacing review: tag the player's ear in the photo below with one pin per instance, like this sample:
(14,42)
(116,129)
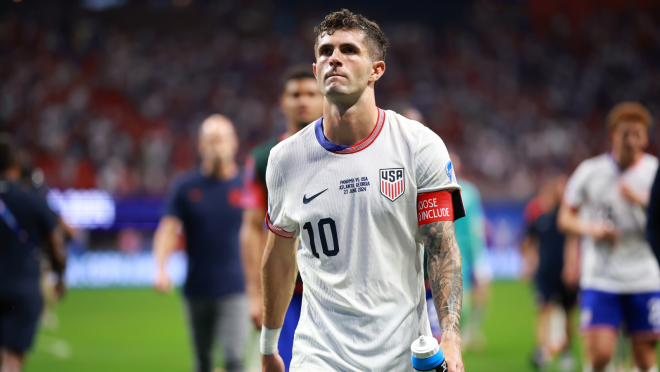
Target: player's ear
(314,68)
(378,71)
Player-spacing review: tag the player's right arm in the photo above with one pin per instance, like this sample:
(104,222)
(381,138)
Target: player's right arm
(165,240)
(570,273)
(569,220)
(278,279)
(278,265)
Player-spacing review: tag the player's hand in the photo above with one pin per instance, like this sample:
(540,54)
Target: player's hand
(452,350)
(630,195)
(256,311)
(272,363)
(605,231)
(163,282)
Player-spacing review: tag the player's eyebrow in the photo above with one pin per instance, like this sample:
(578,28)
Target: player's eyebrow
(329,45)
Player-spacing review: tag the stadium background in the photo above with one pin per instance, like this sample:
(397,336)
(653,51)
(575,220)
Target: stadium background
(104,97)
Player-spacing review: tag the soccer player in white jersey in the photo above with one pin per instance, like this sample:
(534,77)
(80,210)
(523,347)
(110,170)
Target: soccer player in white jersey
(605,202)
(349,187)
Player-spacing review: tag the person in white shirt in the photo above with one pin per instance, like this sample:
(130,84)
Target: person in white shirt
(605,203)
(366,191)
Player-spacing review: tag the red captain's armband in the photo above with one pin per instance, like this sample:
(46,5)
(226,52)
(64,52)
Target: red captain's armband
(434,206)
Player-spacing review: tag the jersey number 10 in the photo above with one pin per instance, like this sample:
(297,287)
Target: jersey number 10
(324,241)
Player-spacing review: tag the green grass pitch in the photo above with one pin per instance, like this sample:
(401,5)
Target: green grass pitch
(126,330)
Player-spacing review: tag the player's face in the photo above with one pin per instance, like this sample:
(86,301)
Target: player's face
(343,66)
(301,101)
(218,142)
(629,138)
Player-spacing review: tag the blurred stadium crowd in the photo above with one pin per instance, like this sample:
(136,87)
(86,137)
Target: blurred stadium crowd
(113,99)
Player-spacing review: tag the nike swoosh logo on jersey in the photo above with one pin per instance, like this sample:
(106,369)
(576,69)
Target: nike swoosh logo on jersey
(305,200)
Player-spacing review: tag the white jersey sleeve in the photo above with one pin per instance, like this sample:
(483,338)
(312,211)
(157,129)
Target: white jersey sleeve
(575,193)
(627,265)
(278,219)
(434,169)
(435,176)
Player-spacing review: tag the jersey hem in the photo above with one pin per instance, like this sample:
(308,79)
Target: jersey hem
(277,230)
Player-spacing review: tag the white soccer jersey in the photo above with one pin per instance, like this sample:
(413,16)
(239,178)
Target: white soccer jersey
(628,266)
(361,255)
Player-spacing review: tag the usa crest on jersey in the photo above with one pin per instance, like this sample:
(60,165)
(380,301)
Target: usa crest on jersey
(392,183)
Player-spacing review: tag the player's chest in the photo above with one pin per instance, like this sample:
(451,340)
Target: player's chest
(605,188)
(369,188)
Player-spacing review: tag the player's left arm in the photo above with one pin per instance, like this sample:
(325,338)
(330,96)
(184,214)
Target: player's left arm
(444,268)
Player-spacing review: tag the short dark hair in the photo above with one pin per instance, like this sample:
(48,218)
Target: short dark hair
(7,152)
(345,20)
(296,72)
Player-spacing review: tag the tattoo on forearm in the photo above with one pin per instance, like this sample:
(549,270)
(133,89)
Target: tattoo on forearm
(444,268)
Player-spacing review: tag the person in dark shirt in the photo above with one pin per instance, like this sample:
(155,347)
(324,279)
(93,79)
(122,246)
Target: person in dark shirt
(543,248)
(653,224)
(26,223)
(206,206)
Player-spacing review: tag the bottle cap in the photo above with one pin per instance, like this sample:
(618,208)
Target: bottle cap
(424,347)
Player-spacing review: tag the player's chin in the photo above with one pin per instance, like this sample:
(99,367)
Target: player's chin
(335,89)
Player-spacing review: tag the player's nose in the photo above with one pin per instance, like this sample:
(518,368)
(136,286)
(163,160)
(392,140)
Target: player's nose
(335,59)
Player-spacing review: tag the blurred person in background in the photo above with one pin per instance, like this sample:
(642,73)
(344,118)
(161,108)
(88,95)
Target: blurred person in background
(471,238)
(32,179)
(605,203)
(206,206)
(543,250)
(302,103)
(26,223)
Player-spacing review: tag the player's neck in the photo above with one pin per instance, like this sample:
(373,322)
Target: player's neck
(222,171)
(292,128)
(625,162)
(347,125)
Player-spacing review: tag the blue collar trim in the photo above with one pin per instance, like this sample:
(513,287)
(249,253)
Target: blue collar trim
(324,142)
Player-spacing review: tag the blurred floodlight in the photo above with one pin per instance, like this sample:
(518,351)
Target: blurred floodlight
(182,3)
(88,209)
(101,4)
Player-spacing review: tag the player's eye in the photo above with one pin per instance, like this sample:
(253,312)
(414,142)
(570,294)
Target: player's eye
(326,51)
(350,50)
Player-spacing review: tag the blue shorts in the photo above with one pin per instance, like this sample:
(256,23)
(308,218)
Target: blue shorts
(639,312)
(285,344)
(19,317)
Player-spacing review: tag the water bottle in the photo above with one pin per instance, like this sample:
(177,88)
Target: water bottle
(427,355)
